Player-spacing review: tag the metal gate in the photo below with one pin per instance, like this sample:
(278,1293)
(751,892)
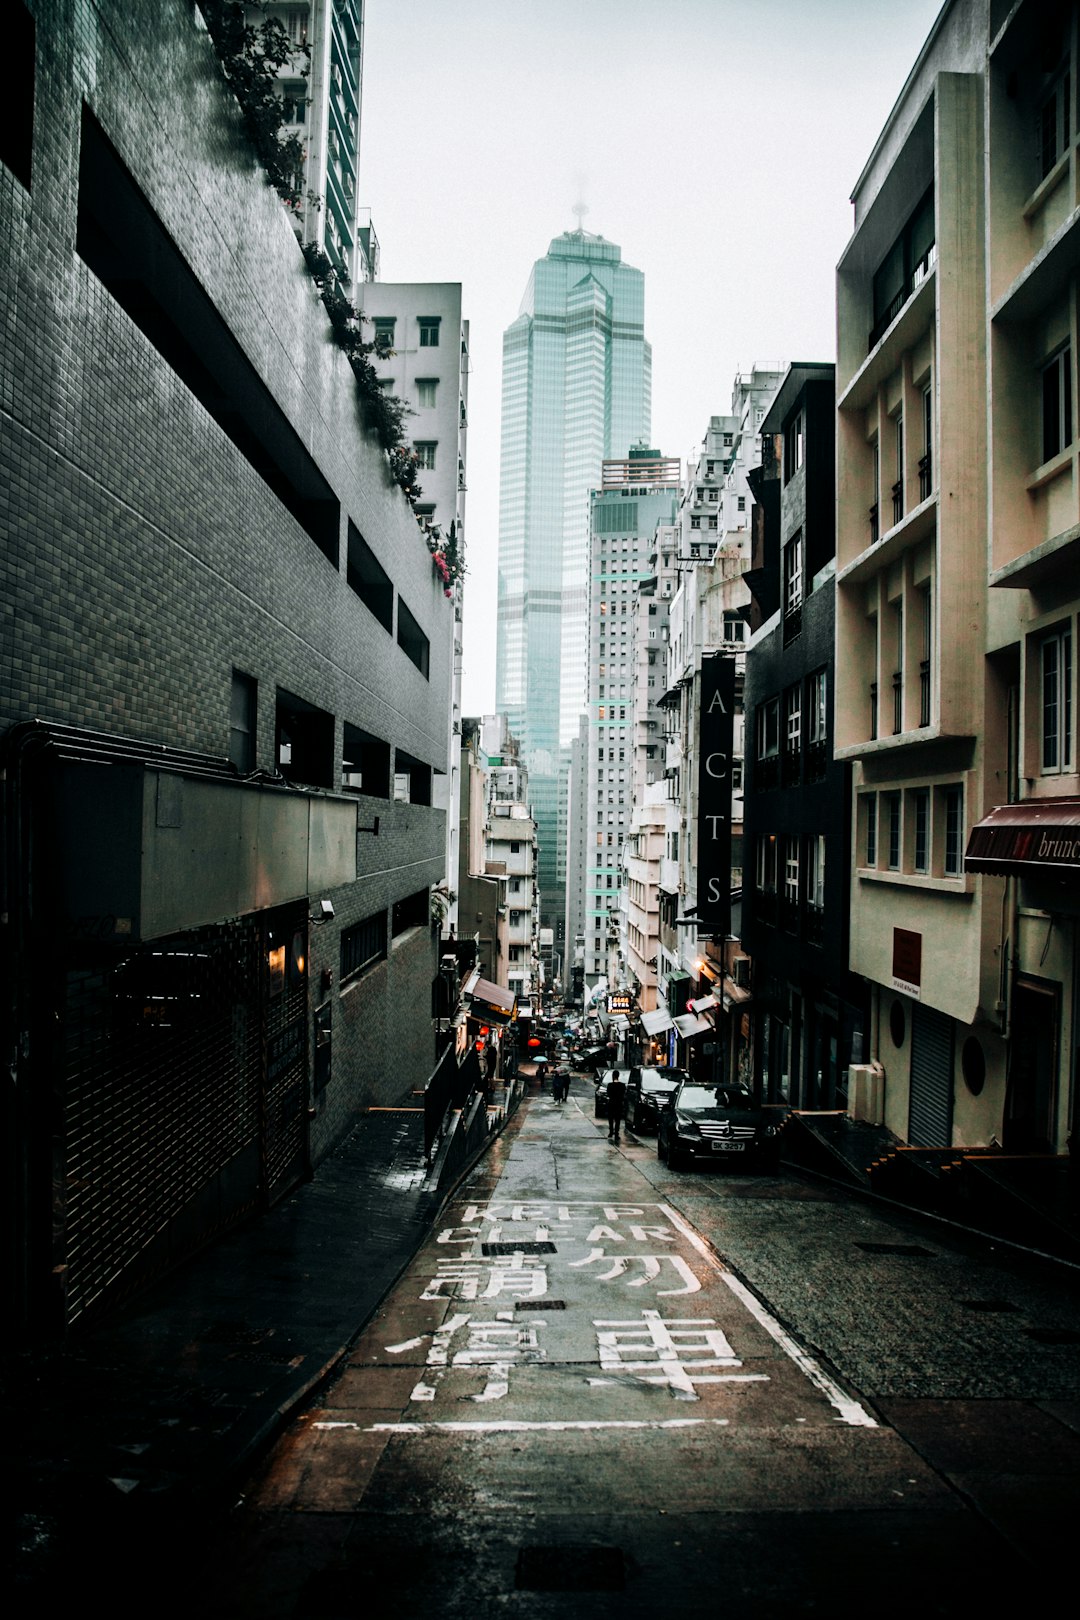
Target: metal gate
(184,1103)
(930,1121)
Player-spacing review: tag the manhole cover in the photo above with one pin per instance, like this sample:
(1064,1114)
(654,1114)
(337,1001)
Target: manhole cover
(987,1305)
(518,1248)
(912,1250)
(1053,1335)
(569,1569)
(540,1304)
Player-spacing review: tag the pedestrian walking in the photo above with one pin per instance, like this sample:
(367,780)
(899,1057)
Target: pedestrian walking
(616,1105)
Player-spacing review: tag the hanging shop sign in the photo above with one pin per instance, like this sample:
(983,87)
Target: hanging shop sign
(716,740)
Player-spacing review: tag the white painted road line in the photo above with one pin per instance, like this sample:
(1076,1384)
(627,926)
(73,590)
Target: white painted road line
(849,1410)
(510,1426)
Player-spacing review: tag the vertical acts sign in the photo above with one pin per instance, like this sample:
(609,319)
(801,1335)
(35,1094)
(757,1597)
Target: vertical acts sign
(716,741)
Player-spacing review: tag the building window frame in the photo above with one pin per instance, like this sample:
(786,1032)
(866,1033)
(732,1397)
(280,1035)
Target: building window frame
(1056,386)
(429,330)
(1056,701)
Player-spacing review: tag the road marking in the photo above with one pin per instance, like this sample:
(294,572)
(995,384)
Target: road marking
(511,1426)
(849,1410)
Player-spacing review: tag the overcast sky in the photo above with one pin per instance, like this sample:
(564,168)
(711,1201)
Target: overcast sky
(717,143)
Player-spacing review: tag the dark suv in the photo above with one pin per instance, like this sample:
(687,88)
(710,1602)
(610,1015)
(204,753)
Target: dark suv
(646,1092)
(718,1122)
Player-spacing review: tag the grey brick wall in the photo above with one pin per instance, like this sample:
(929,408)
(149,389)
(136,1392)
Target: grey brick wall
(145,558)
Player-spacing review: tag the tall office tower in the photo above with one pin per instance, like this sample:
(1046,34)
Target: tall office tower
(576,390)
(636,495)
(321,89)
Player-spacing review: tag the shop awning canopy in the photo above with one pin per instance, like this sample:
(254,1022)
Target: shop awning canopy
(704,1003)
(734,994)
(490,1001)
(689,1025)
(1037,835)
(655,1023)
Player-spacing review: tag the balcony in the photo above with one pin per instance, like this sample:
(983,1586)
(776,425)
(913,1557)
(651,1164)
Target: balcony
(897,702)
(873,711)
(875,528)
(913,283)
(925,479)
(897,501)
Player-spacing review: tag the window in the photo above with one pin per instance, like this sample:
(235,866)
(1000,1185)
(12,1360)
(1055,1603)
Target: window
(412,640)
(766,864)
(1052,125)
(1057,415)
(892,817)
(414,911)
(794,444)
(1056,672)
(304,741)
(926,461)
(954,823)
(429,331)
(793,588)
(768,728)
(383,334)
(924,663)
(792,729)
(729,439)
(898,486)
(425,453)
(921,850)
(369,579)
(412,779)
(362,946)
(871,829)
(816,707)
(365,762)
(815,872)
(425,390)
(242,720)
(17,128)
(294,101)
(742,503)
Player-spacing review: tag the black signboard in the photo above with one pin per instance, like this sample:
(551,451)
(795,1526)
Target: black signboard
(716,739)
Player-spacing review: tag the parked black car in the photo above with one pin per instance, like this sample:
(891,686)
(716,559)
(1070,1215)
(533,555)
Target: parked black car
(718,1122)
(646,1092)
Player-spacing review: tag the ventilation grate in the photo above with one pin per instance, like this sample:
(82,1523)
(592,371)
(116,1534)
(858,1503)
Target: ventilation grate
(518,1248)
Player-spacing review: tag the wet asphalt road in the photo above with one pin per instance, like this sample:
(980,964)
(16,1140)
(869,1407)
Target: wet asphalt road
(606,1388)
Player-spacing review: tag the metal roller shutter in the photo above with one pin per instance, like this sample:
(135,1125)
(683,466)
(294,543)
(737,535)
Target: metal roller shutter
(930,1121)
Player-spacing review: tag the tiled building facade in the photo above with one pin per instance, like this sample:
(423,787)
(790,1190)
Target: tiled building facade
(224,682)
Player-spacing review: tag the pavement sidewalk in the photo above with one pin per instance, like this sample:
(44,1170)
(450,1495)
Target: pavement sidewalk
(155,1415)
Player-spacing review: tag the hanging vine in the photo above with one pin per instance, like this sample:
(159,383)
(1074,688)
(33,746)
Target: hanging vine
(251,55)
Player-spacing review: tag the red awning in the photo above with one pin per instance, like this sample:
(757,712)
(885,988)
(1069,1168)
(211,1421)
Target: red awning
(1040,834)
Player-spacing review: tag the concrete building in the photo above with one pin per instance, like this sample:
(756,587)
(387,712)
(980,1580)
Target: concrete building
(576,390)
(423,341)
(226,645)
(635,495)
(322,90)
(707,619)
(808,1011)
(957,586)
(510,855)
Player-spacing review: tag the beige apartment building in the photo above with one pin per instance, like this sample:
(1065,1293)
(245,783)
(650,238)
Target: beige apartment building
(957,587)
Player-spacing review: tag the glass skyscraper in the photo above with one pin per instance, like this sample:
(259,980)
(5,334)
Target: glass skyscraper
(577,384)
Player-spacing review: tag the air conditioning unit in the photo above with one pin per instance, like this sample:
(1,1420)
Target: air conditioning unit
(353,779)
(740,972)
(866,1092)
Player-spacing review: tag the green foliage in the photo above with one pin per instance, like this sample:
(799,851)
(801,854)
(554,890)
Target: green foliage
(250,57)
